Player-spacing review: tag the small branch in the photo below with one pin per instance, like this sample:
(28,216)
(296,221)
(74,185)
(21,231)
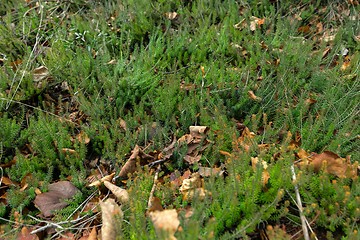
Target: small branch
(299,205)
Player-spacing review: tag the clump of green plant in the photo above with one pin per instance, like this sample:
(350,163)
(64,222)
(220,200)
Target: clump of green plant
(161,67)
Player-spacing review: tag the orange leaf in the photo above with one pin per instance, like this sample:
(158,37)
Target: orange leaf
(331,163)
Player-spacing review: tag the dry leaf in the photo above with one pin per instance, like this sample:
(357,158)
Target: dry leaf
(256,22)
(193,187)
(331,163)
(122,124)
(252,95)
(265,176)
(54,198)
(166,223)
(112,216)
(25,234)
(207,172)
(68,151)
(93,234)
(40,73)
(155,204)
(195,142)
(304,29)
(83,137)
(130,166)
(171,15)
(121,194)
(112,62)
(198,131)
(99,182)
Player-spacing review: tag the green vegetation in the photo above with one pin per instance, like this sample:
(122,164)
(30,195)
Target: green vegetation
(79,68)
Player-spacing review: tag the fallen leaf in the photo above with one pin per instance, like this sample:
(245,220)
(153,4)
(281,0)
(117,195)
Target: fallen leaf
(171,15)
(68,151)
(256,22)
(207,172)
(25,234)
(54,198)
(93,234)
(252,95)
(40,73)
(346,63)
(112,216)
(331,163)
(122,124)
(99,182)
(6,181)
(166,223)
(130,166)
(83,137)
(193,187)
(121,194)
(304,29)
(112,62)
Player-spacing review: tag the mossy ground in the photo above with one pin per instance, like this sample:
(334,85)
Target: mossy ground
(80,69)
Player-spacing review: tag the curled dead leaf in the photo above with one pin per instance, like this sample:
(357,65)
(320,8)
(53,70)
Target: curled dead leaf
(99,182)
(121,194)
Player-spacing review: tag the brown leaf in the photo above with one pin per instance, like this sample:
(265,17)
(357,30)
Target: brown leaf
(130,166)
(93,234)
(122,124)
(155,204)
(99,182)
(25,234)
(54,198)
(121,194)
(6,181)
(252,95)
(304,29)
(112,216)
(165,222)
(83,137)
(265,176)
(331,163)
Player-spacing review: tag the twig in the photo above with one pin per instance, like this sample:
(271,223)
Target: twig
(154,186)
(299,205)
(312,221)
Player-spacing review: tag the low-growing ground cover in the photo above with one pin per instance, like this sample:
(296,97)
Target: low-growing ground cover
(213,119)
